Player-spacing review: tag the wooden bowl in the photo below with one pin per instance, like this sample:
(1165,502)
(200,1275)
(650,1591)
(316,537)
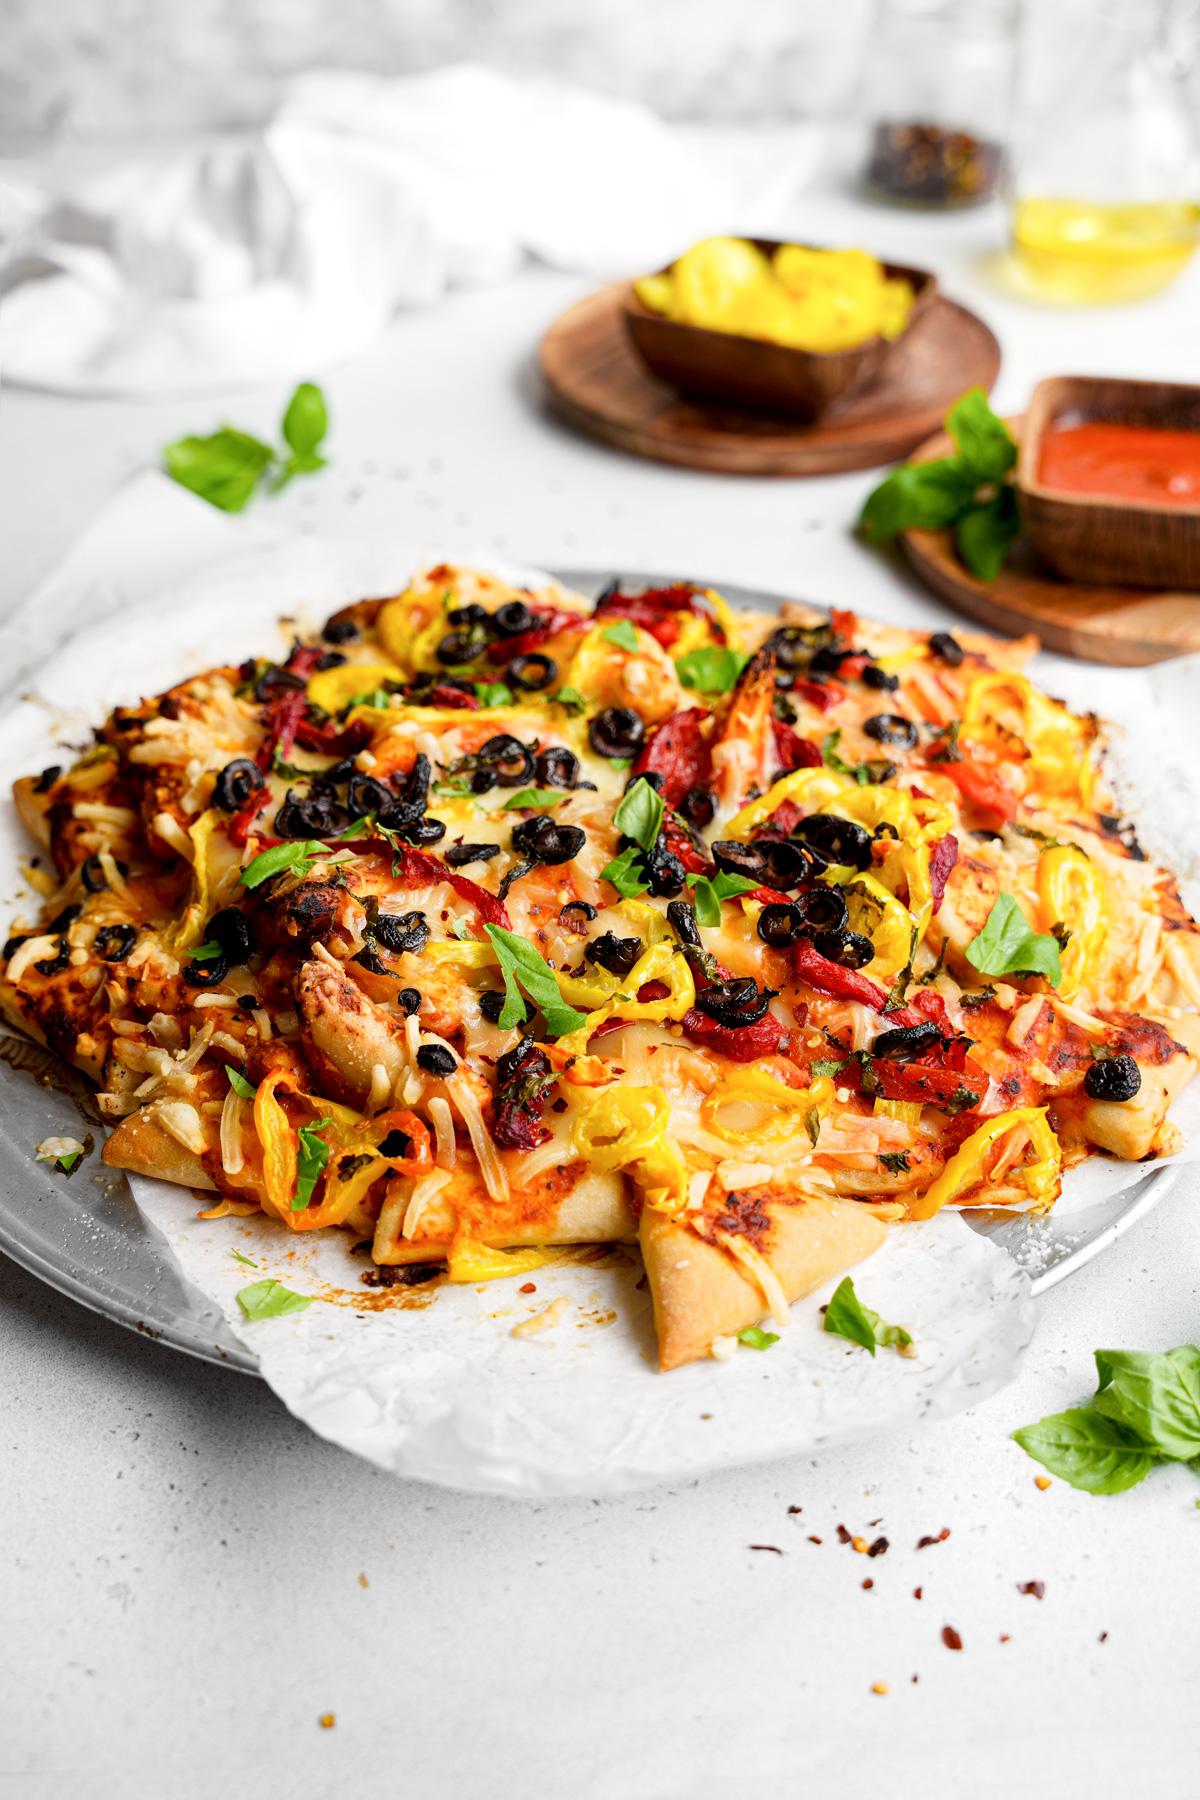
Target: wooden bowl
(1091,538)
(754,373)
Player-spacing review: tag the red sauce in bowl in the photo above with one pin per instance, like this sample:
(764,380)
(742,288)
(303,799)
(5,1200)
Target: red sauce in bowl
(1123,462)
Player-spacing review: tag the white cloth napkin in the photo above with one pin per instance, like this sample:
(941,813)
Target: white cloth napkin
(249,262)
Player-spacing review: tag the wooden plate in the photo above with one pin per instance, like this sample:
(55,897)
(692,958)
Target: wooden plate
(597,382)
(1129,627)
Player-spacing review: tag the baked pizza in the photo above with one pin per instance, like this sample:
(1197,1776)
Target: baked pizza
(490,921)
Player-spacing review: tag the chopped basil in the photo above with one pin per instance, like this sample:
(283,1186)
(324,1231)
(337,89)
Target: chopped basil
(622,634)
(831,1066)
(708,891)
(247,1261)
(571,699)
(626,874)
(207,952)
(847,1317)
(493,693)
(713,669)
(533,796)
(522,967)
(640,814)
(895,1160)
(859,772)
(1006,945)
(239,1084)
(270,1300)
(312,1154)
(755,1338)
(292,859)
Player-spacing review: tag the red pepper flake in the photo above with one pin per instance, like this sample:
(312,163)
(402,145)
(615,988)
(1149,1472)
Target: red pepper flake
(943,1534)
(1006,1637)
(868,1583)
(773,1548)
(915,1680)
(794,1509)
(918,1593)
(1103,1638)
(527,1287)
(1036,1588)
(815,1540)
(951,1638)
(878,1548)
(844,1536)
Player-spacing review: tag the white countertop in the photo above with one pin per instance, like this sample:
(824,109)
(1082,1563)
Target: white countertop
(190,1578)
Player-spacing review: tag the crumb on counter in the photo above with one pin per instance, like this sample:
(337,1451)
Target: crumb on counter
(327,1721)
(1042,1482)
(879,1687)
(542,1321)
(951,1638)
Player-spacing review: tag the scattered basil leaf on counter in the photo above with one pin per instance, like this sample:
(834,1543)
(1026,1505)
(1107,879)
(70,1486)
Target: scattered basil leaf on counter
(755,1338)
(227,467)
(1146,1410)
(847,1317)
(969,490)
(533,796)
(312,1154)
(493,693)
(623,634)
(626,874)
(247,1262)
(270,1300)
(708,891)
(237,1081)
(571,699)
(1006,945)
(640,814)
(713,669)
(522,967)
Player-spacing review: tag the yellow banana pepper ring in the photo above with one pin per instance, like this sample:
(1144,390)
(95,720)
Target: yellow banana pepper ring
(190,928)
(626,1128)
(470,1261)
(761,1091)
(278,1142)
(966,1168)
(1071,892)
(808,787)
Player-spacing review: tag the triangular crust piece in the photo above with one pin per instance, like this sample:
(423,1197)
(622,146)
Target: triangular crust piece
(701,1292)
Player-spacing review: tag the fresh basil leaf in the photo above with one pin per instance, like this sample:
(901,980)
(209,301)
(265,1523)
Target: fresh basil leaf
(832,1066)
(270,1300)
(713,669)
(626,874)
(571,699)
(493,693)
(985,446)
(209,951)
(287,859)
(247,1261)
(1006,945)
(640,814)
(708,891)
(984,535)
(532,796)
(1157,1395)
(305,422)
(859,772)
(917,497)
(1087,1450)
(895,1160)
(224,468)
(522,967)
(622,634)
(312,1154)
(755,1338)
(237,1081)
(847,1317)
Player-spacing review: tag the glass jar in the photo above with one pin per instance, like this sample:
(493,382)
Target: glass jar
(937,96)
(1104,177)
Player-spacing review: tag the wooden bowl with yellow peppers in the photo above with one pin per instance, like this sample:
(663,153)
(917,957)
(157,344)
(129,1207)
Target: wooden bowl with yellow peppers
(775,327)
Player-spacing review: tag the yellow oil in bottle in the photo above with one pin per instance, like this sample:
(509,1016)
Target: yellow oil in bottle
(1082,251)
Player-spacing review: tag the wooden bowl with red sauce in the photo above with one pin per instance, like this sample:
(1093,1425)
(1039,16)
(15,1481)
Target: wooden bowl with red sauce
(1108,480)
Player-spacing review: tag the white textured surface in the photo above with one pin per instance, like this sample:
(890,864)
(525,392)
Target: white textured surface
(179,1591)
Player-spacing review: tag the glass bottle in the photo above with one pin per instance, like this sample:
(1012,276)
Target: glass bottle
(937,94)
(1104,179)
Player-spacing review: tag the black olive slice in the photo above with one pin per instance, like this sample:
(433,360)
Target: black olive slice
(617,955)
(906,1041)
(779,926)
(556,766)
(401,932)
(891,728)
(697,807)
(616,731)
(513,619)
(236,782)
(231,929)
(437,1059)
(1113,1078)
(547,842)
(735,1003)
(875,677)
(339,630)
(577,915)
(849,948)
(947,649)
(822,909)
(838,840)
(531,673)
(112,943)
(459,855)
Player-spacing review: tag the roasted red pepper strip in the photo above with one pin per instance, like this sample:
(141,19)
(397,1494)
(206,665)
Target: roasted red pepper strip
(982,787)
(842,984)
(330,742)
(304,659)
(821,694)
(549,625)
(741,1043)
(452,697)
(679,752)
(942,859)
(843,623)
(284,717)
(680,844)
(417,868)
(926,1083)
(240,823)
(794,752)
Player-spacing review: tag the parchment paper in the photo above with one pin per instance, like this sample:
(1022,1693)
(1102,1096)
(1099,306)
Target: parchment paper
(439,1388)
